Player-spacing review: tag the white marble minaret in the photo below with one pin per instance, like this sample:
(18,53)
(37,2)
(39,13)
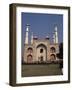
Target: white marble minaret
(32,38)
(55,35)
(27,31)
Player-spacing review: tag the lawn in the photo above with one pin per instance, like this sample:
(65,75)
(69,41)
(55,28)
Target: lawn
(40,70)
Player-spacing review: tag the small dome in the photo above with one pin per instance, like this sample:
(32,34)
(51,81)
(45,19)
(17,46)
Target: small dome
(55,28)
(47,37)
(27,24)
(35,37)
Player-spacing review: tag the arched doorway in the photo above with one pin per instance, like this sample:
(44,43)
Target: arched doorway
(29,58)
(41,53)
(41,59)
(52,57)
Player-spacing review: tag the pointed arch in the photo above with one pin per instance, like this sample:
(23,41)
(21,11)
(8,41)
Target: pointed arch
(29,58)
(30,50)
(52,50)
(52,57)
(41,52)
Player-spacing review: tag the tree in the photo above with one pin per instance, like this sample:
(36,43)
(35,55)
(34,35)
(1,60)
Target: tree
(60,54)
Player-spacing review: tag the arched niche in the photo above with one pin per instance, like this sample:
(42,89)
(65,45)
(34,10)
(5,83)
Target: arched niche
(29,58)
(29,50)
(52,57)
(52,50)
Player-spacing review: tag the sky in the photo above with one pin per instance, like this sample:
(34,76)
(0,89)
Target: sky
(42,25)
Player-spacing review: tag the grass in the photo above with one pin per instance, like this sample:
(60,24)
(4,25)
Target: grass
(40,69)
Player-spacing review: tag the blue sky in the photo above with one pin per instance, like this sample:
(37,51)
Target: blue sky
(42,25)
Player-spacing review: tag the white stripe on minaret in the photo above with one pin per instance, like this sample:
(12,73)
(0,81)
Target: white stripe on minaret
(27,30)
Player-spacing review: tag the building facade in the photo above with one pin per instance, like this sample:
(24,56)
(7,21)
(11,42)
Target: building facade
(40,50)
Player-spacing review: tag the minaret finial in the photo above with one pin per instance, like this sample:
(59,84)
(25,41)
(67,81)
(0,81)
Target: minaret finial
(27,30)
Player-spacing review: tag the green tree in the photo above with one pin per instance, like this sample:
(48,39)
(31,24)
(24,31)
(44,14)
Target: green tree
(60,54)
